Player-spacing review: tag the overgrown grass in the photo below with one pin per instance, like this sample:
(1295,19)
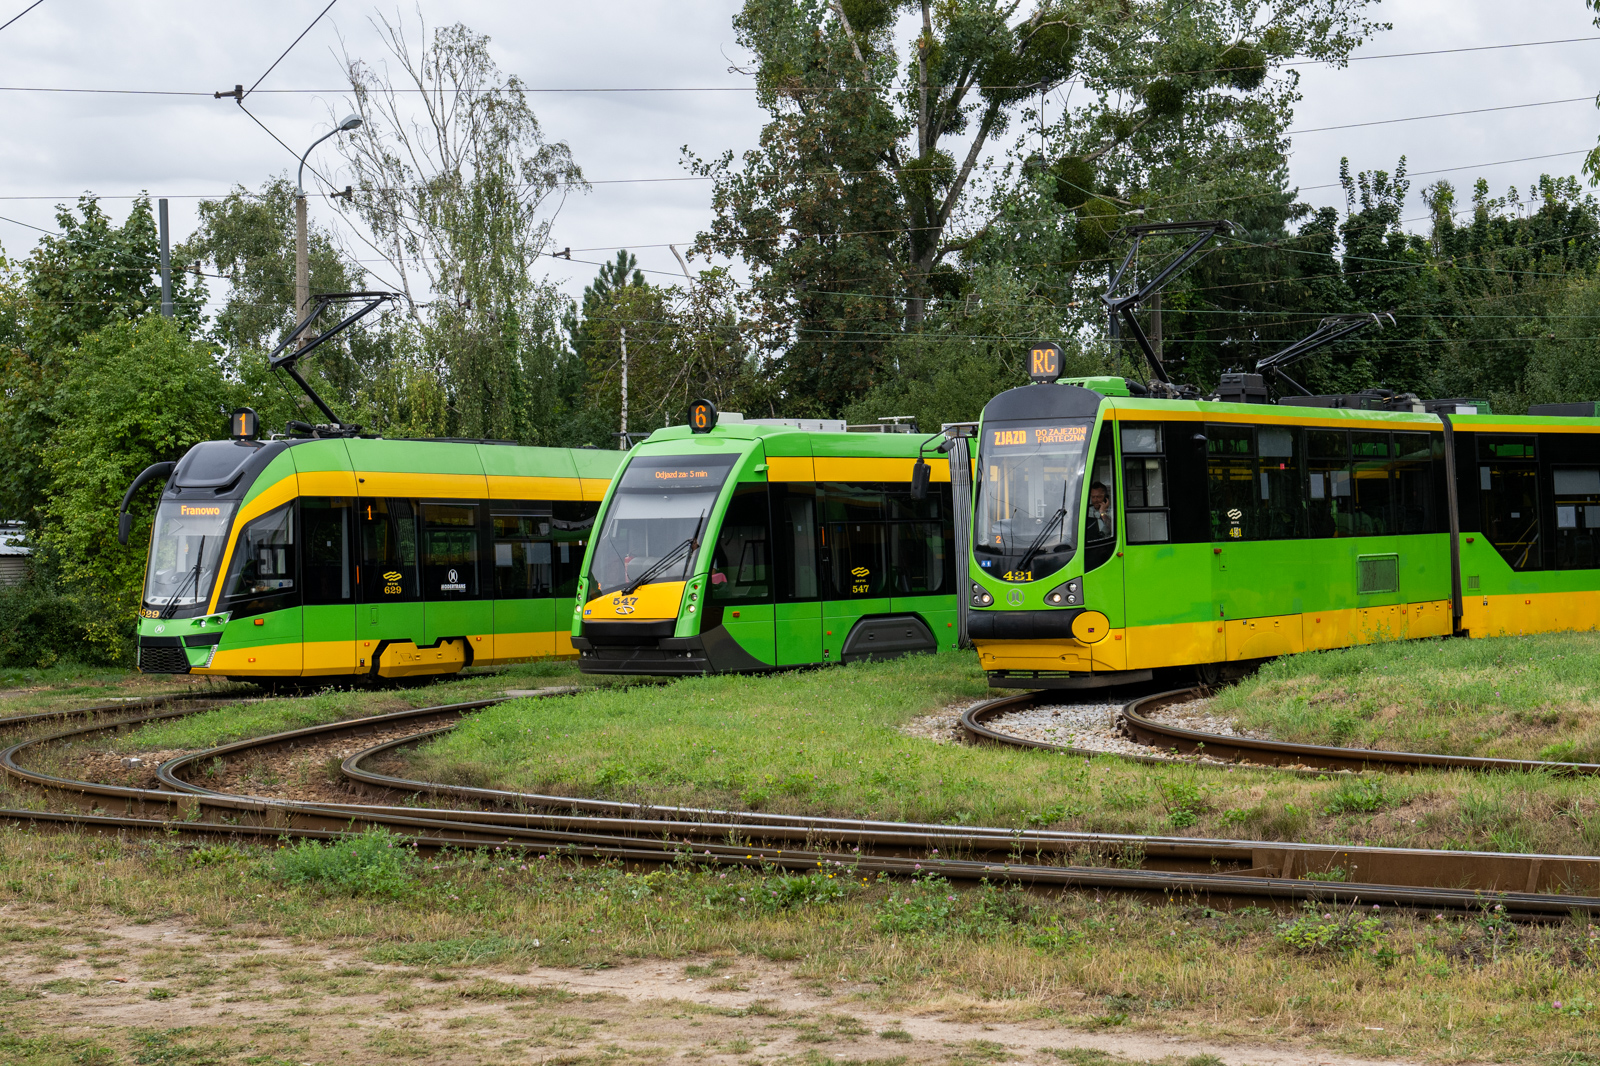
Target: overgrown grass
(1530,697)
(828,742)
(1378,983)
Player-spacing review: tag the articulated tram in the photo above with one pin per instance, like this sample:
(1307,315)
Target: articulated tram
(1115,535)
(741,546)
(351,557)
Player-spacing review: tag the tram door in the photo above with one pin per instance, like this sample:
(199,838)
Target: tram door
(797,614)
(1102,560)
(391,605)
(327,566)
(741,573)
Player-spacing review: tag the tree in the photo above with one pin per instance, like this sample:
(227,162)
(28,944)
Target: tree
(866,196)
(457,196)
(137,393)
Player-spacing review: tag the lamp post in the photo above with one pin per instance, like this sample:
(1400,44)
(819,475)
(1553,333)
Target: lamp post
(302,261)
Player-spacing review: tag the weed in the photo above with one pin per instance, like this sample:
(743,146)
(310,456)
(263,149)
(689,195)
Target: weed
(894,1034)
(924,906)
(1184,802)
(1333,932)
(780,892)
(1357,795)
(376,863)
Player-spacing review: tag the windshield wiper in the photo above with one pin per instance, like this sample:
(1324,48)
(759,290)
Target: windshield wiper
(666,560)
(200,557)
(1038,542)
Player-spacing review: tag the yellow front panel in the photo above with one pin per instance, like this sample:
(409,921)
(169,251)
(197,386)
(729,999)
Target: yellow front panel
(790,468)
(1178,644)
(647,603)
(426,486)
(874,469)
(514,487)
(1262,638)
(330,657)
(266,660)
(327,483)
(1033,655)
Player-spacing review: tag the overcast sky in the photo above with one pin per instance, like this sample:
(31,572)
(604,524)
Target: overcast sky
(54,146)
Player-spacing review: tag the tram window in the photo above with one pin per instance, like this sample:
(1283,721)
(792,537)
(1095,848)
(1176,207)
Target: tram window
(1508,481)
(1281,505)
(1231,478)
(522,556)
(1100,518)
(325,528)
(571,523)
(921,558)
(1328,501)
(449,551)
(1370,487)
(1144,483)
(794,509)
(1577,501)
(741,570)
(1414,493)
(263,564)
(388,570)
(856,538)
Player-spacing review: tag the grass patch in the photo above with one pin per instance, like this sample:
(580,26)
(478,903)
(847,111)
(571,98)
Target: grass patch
(1528,697)
(375,863)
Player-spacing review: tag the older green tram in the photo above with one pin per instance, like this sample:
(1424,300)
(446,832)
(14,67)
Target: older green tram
(1116,535)
(741,546)
(355,557)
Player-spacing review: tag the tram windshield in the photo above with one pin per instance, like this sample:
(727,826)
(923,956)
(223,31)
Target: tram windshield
(184,554)
(1032,480)
(656,520)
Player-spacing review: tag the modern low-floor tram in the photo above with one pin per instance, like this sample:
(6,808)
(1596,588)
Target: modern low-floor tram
(1115,536)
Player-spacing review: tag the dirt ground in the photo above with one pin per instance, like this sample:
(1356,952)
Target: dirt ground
(165,992)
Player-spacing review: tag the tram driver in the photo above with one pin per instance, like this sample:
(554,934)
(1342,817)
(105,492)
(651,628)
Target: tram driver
(1102,522)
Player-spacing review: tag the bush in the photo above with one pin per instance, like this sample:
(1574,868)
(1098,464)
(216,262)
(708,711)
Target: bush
(40,625)
(374,863)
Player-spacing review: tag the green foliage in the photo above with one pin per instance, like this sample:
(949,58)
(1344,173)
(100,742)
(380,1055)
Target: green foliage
(40,623)
(1332,932)
(780,892)
(924,906)
(1358,795)
(376,862)
(1184,802)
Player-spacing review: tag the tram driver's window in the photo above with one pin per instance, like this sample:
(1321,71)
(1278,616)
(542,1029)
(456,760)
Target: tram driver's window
(1144,476)
(1100,519)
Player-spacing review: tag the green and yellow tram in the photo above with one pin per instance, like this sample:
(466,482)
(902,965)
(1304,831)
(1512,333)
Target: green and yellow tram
(350,557)
(740,546)
(1116,535)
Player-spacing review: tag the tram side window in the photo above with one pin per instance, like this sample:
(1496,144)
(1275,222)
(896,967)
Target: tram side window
(1231,479)
(1577,500)
(263,565)
(522,556)
(741,568)
(922,561)
(794,519)
(388,570)
(1415,507)
(1144,483)
(1370,488)
(1281,511)
(856,540)
(572,522)
(326,527)
(1328,497)
(449,551)
(1508,485)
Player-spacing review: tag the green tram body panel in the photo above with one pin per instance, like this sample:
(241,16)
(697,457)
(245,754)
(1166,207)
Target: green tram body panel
(366,557)
(1243,531)
(802,548)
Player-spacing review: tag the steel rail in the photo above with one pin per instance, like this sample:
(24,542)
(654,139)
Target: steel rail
(1282,753)
(620,837)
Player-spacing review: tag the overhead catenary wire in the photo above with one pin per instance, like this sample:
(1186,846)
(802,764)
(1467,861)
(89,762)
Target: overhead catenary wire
(19,14)
(286,51)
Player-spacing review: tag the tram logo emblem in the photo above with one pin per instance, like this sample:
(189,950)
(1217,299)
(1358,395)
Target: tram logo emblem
(624,604)
(453,583)
(392,575)
(861,571)
(393,587)
(1014,597)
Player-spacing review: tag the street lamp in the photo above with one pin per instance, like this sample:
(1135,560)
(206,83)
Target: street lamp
(302,262)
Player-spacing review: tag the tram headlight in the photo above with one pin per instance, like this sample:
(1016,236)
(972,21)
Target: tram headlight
(980,597)
(1067,595)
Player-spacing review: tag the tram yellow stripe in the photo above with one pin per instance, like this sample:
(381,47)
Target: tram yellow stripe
(327,483)
(518,487)
(790,468)
(873,468)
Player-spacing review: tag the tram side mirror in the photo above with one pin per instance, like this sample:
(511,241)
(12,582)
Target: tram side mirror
(920,473)
(124,527)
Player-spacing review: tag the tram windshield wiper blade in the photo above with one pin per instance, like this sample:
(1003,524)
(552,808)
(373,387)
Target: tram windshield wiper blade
(1038,541)
(689,544)
(200,557)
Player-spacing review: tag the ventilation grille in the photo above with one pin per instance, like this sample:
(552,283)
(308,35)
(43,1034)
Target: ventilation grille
(163,661)
(1379,573)
(1472,581)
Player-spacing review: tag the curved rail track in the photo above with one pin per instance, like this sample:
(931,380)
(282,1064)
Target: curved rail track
(583,828)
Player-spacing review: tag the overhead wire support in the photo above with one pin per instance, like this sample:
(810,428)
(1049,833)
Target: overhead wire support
(1125,308)
(289,352)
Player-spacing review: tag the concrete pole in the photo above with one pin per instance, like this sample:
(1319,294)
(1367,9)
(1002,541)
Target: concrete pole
(302,263)
(623,442)
(166,260)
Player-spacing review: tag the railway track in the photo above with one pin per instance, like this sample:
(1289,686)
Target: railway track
(1531,886)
